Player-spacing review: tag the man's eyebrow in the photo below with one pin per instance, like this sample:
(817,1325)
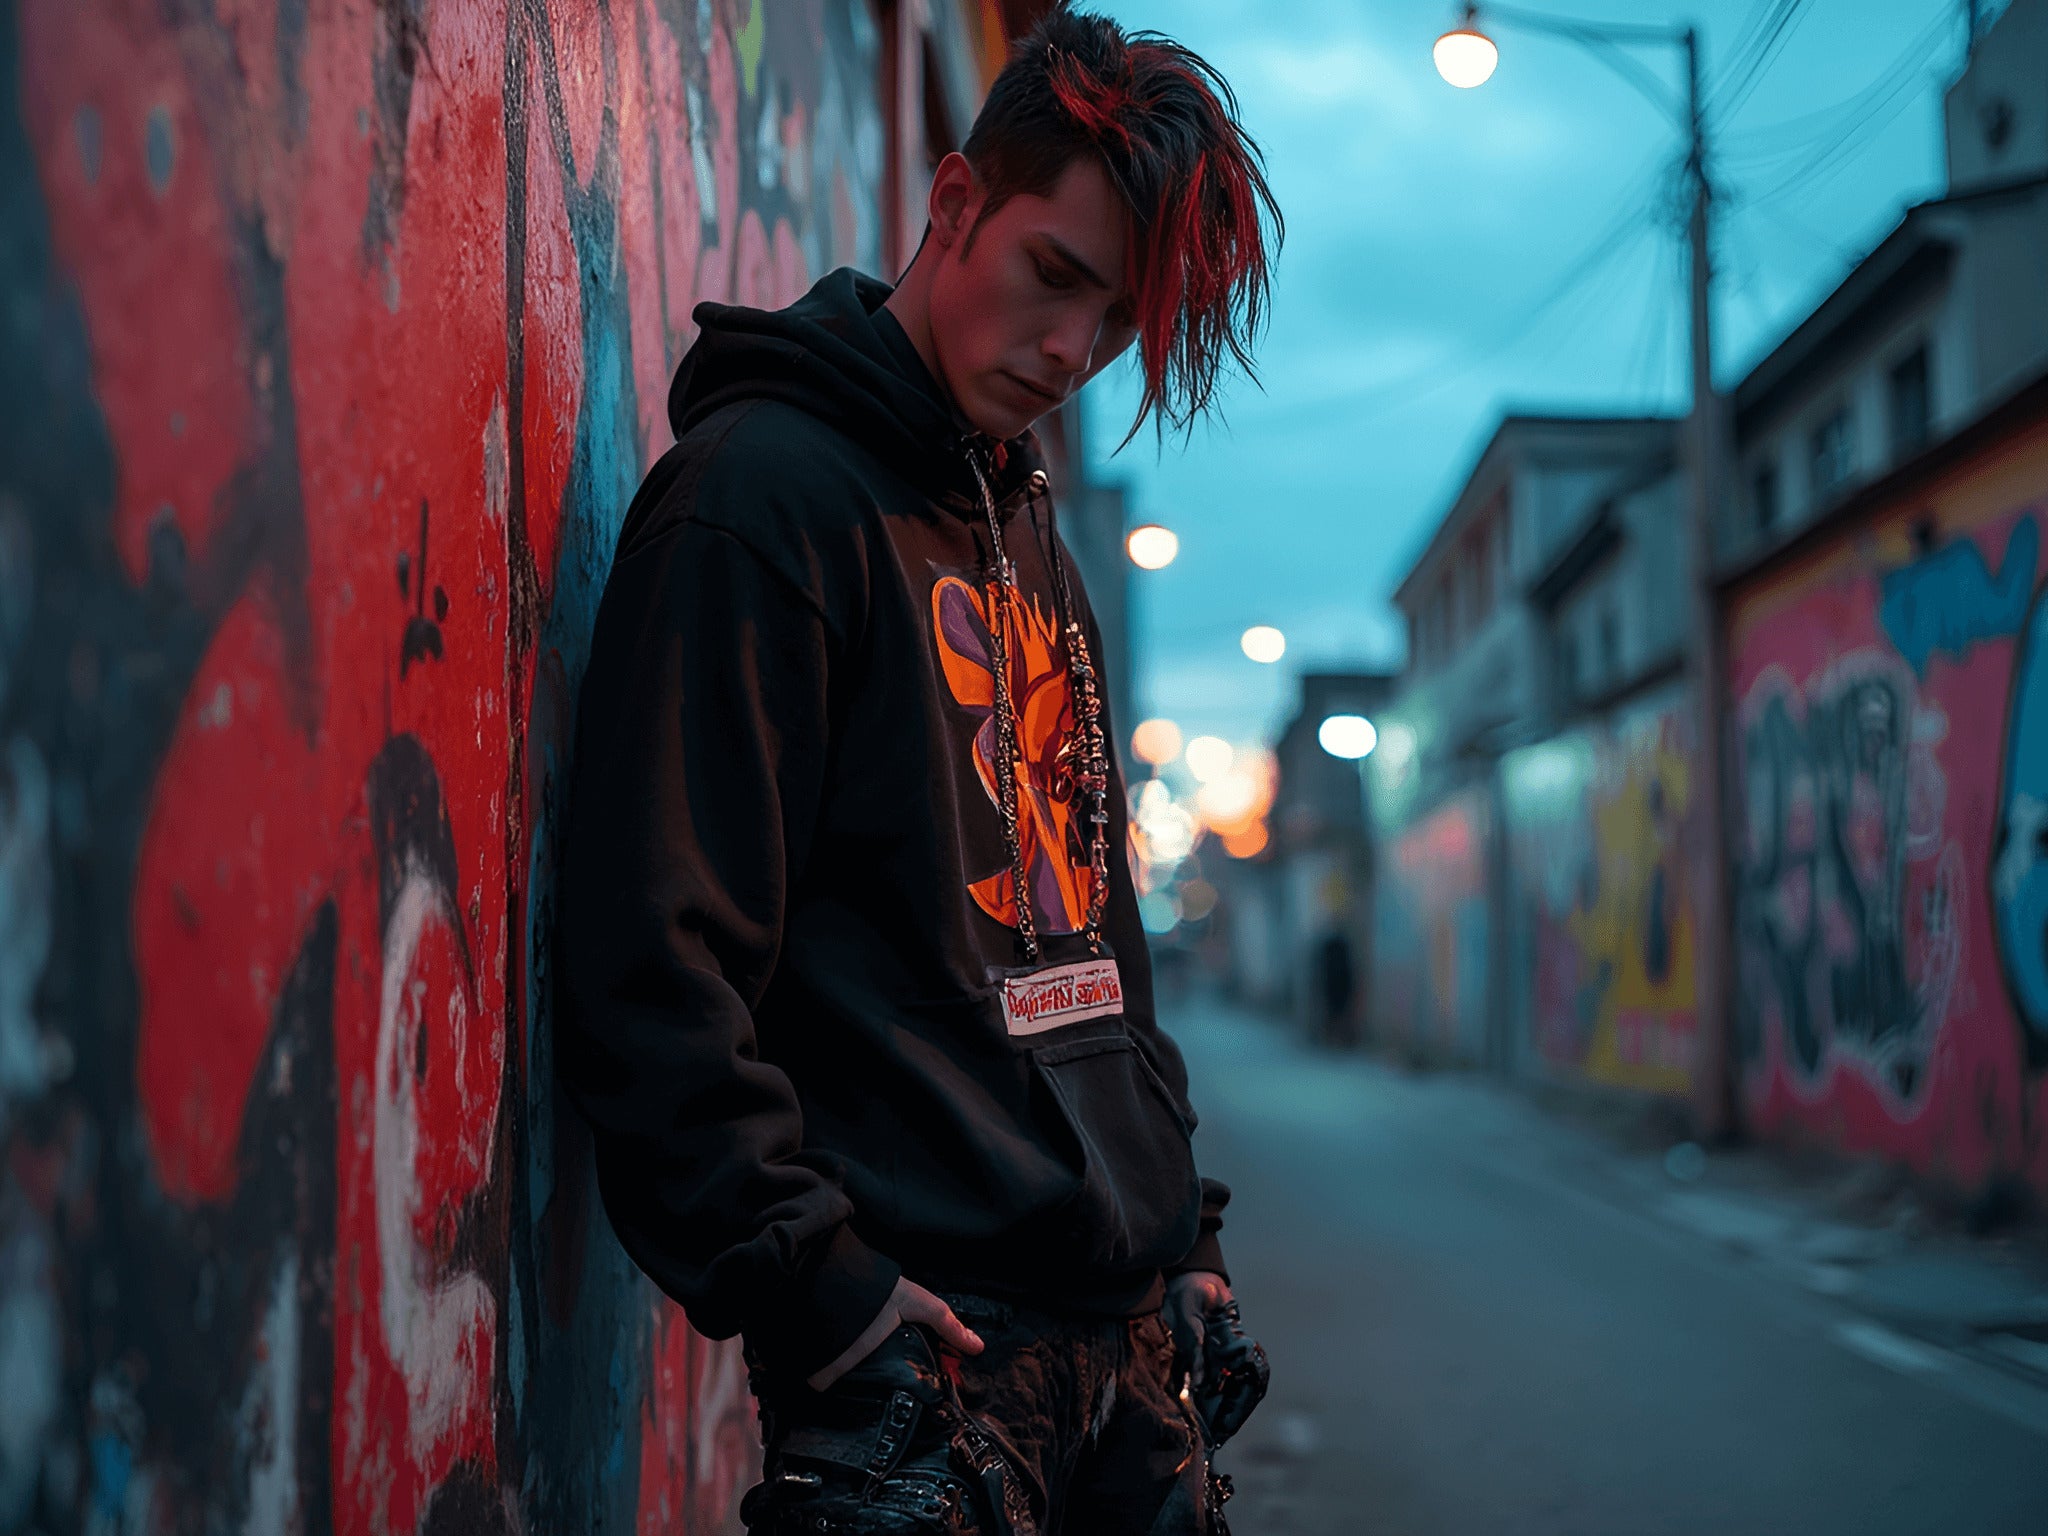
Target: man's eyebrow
(1080,267)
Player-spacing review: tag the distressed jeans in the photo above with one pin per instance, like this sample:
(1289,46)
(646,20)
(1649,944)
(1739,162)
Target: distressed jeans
(1062,1426)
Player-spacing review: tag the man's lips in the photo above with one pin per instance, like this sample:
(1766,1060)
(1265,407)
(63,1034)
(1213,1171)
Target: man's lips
(1050,397)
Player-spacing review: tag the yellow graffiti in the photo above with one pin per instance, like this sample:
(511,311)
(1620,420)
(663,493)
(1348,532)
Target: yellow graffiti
(747,43)
(1639,928)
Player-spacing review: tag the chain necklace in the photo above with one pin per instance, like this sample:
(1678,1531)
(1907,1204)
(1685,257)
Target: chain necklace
(1083,757)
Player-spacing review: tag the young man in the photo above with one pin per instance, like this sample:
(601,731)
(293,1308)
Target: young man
(855,996)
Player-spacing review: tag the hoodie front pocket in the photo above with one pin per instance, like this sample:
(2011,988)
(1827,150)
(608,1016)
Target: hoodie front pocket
(1139,1204)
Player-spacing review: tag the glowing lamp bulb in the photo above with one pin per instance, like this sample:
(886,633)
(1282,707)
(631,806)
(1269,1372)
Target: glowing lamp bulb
(1348,736)
(1151,547)
(1264,644)
(1466,57)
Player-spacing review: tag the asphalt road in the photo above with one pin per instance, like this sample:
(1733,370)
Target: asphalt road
(1474,1334)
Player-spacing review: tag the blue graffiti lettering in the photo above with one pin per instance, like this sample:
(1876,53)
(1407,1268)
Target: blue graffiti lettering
(1950,600)
(2019,851)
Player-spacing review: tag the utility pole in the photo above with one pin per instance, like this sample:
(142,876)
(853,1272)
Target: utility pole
(1466,57)
(1714,1063)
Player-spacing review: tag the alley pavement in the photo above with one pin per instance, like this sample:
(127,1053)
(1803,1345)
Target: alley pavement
(1487,1320)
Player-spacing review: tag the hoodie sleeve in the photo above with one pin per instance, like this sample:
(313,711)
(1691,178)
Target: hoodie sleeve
(1134,963)
(702,744)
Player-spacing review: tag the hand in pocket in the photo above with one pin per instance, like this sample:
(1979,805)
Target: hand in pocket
(908,1303)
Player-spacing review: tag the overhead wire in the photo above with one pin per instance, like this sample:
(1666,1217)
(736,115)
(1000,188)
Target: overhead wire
(1881,107)
(1620,232)
(1776,142)
(1783,22)
(1761,41)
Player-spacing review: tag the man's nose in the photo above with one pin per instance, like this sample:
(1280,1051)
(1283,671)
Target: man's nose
(1071,347)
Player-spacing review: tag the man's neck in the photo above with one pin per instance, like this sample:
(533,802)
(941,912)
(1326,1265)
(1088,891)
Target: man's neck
(910,303)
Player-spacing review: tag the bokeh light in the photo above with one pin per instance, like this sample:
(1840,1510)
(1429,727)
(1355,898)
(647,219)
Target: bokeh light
(1156,742)
(1208,757)
(1264,644)
(1151,547)
(1348,736)
(1197,900)
(1248,844)
(1229,802)
(1158,913)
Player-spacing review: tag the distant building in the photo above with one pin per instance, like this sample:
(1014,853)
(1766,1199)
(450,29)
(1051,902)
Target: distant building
(1314,881)
(1946,317)
(1995,116)
(1537,591)
(1879,569)
(1881,586)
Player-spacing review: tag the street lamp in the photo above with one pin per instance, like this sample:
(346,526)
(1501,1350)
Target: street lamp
(1460,55)
(1466,56)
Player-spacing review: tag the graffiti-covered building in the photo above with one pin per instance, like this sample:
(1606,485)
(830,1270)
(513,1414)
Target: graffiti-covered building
(337,339)
(1540,608)
(1878,570)
(1889,676)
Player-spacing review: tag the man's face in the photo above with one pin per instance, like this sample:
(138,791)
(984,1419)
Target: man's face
(1036,304)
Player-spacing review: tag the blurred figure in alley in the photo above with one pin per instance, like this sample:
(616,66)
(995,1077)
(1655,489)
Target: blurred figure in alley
(1336,985)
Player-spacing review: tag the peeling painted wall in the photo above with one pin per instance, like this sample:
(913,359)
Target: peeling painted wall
(1891,721)
(337,336)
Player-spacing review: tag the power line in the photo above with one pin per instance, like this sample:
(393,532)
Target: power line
(1797,136)
(1621,231)
(1881,107)
(1780,28)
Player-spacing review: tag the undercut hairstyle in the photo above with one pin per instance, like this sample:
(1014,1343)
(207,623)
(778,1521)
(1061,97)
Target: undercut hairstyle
(1163,123)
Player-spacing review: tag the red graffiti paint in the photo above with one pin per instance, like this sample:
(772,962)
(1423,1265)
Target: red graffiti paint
(379,305)
(1874,736)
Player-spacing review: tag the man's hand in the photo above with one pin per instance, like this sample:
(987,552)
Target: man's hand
(908,1303)
(1188,1297)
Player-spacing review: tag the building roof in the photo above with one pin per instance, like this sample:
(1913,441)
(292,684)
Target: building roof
(1519,434)
(1911,260)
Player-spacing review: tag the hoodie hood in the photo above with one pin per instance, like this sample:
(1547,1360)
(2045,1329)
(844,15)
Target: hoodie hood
(826,355)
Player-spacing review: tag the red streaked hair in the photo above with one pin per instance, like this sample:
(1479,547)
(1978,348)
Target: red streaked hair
(1163,124)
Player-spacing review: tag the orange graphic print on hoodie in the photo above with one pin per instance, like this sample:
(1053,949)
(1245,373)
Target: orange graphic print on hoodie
(1049,827)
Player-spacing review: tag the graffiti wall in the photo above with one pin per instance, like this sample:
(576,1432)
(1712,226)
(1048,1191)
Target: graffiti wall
(1891,693)
(1433,934)
(1601,927)
(337,338)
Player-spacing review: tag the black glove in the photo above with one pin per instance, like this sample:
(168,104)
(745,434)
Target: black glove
(1234,1374)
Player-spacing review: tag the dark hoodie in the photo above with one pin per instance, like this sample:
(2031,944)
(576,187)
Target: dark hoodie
(786,907)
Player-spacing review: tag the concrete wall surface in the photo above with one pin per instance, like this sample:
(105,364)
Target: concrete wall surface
(1890,689)
(337,337)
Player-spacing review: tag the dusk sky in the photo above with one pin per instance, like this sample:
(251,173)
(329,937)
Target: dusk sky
(1426,285)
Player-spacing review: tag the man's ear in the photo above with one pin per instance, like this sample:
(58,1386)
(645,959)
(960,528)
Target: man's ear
(955,198)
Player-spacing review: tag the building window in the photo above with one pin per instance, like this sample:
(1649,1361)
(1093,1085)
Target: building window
(1763,497)
(1910,403)
(1833,457)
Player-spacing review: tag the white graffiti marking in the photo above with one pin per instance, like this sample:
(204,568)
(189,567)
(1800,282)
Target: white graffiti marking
(431,1321)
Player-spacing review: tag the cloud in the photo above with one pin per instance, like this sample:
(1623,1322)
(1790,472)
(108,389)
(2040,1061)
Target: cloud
(1312,75)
